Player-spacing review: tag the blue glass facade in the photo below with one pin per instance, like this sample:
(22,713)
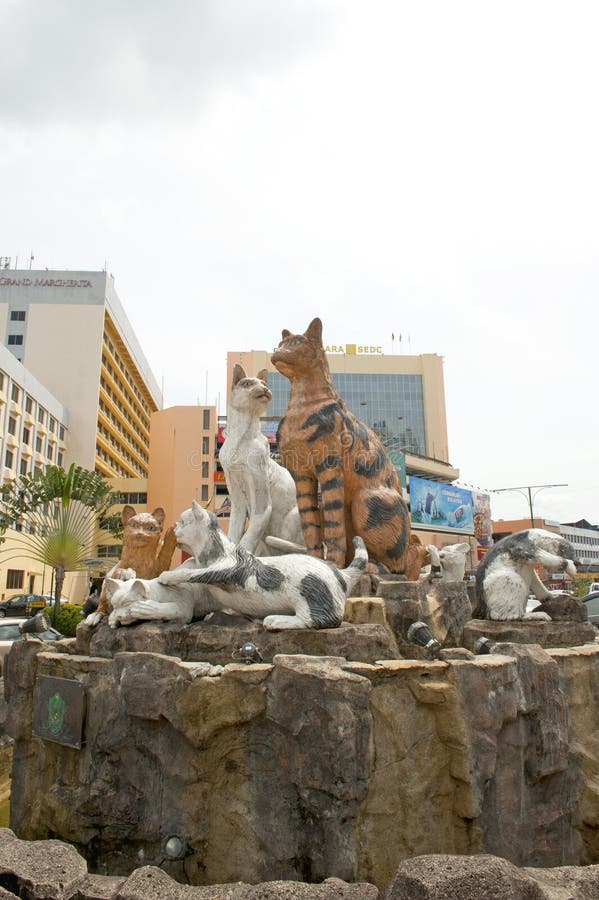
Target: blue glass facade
(391,404)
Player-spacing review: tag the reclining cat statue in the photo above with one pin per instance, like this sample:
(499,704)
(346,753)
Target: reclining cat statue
(288,591)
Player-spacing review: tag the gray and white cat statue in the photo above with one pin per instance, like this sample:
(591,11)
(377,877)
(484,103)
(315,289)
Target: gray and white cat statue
(506,575)
(289,591)
(261,490)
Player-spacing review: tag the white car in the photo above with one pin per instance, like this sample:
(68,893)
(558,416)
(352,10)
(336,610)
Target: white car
(10,632)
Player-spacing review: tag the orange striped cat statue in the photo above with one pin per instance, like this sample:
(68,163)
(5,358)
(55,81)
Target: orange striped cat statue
(326,448)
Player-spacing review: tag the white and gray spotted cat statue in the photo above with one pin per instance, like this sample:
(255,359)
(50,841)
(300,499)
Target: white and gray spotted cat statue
(288,591)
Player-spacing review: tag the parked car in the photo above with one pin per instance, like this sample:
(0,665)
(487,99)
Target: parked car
(591,601)
(594,587)
(22,605)
(9,633)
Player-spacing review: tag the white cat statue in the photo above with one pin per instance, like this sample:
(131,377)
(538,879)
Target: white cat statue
(261,490)
(506,574)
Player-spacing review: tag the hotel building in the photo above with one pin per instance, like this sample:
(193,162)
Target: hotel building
(69,349)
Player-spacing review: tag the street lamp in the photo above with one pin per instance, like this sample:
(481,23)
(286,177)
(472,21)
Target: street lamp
(526,491)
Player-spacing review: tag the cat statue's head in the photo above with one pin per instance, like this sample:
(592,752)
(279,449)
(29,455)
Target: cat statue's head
(197,532)
(300,354)
(248,393)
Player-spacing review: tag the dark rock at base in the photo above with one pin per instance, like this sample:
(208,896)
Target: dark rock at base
(50,869)
(443,605)
(215,643)
(546,634)
(151,883)
(462,878)
(572,882)
(564,608)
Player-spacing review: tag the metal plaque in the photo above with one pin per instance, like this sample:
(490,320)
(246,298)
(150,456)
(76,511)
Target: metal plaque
(59,710)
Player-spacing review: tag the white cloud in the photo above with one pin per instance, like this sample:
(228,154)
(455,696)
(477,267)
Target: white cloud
(428,169)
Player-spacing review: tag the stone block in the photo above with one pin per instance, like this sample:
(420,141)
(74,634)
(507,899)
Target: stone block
(215,643)
(49,869)
(440,877)
(545,634)
(443,605)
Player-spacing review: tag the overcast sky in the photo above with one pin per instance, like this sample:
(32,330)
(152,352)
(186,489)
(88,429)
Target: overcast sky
(428,169)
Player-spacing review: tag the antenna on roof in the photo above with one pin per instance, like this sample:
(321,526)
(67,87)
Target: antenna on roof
(31,258)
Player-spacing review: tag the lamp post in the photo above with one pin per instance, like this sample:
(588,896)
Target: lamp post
(526,491)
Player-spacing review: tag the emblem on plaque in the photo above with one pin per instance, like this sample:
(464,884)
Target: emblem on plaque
(59,710)
(56,710)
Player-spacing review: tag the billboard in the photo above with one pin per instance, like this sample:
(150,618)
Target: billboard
(437,506)
(483,527)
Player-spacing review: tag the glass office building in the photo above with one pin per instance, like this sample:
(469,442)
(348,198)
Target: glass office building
(391,404)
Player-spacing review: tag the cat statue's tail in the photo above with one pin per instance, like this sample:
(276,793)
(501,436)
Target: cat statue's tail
(357,566)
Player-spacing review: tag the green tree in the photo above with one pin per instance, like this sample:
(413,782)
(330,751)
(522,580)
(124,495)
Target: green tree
(56,513)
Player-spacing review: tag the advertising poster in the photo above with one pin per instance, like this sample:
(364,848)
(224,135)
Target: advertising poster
(483,529)
(440,507)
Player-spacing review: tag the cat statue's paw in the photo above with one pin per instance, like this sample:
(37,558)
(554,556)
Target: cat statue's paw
(93,619)
(538,616)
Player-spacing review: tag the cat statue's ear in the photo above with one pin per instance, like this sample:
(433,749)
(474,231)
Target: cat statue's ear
(238,374)
(197,509)
(158,514)
(285,333)
(314,331)
(263,375)
(111,586)
(141,588)
(127,513)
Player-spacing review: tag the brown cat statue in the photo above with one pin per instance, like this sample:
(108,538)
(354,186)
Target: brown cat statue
(143,555)
(326,447)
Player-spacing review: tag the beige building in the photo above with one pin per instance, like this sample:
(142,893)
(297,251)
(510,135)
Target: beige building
(69,337)
(401,397)
(33,433)
(70,331)
(182,460)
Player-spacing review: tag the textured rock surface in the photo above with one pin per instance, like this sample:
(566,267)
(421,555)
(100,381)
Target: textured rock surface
(546,634)
(312,767)
(43,869)
(462,878)
(216,642)
(443,605)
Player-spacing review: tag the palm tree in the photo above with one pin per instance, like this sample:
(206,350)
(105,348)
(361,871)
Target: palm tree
(56,514)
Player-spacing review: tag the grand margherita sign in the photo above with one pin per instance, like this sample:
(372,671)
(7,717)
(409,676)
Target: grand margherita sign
(6,281)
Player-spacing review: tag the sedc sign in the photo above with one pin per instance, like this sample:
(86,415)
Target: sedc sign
(352,349)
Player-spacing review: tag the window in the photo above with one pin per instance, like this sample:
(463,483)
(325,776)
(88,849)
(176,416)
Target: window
(15,393)
(17,315)
(1,381)
(205,445)
(28,404)
(40,415)
(59,459)
(8,459)
(204,470)
(204,492)
(15,340)
(38,444)
(23,467)
(12,425)
(110,550)
(14,579)
(61,432)
(52,424)
(206,419)
(26,435)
